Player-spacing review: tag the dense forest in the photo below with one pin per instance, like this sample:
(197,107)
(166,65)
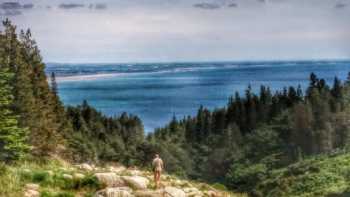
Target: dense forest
(237,145)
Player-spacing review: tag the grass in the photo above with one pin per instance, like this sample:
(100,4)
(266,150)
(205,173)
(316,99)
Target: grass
(50,177)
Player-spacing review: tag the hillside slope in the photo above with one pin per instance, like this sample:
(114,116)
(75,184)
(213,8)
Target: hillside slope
(60,179)
(320,176)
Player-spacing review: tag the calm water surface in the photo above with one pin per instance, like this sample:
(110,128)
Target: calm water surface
(155,92)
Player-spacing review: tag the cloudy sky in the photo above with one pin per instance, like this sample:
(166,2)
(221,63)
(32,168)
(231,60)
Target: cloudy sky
(184,30)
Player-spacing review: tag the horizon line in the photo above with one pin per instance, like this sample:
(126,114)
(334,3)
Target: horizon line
(203,61)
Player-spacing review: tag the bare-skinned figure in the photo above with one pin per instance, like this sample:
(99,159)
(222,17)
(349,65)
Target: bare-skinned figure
(158,167)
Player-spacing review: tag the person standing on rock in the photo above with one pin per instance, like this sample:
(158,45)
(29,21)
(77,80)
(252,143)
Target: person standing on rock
(158,167)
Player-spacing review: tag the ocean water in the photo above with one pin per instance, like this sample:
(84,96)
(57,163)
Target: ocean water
(155,92)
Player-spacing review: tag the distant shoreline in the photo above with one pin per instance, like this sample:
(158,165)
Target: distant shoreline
(87,77)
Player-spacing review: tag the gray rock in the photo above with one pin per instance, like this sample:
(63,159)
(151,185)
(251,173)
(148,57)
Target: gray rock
(110,179)
(136,182)
(149,193)
(115,192)
(173,192)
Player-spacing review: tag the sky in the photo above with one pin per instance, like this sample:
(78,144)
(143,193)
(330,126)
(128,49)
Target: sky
(110,31)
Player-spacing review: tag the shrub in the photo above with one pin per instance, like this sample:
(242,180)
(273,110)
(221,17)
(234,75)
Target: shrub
(246,177)
(40,177)
(91,182)
(219,186)
(63,183)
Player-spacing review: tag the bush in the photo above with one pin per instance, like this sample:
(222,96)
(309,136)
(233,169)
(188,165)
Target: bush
(90,182)
(40,177)
(246,177)
(220,186)
(63,183)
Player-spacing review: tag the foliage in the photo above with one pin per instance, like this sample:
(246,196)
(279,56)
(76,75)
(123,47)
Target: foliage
(240,144)
(319,176)
(12,138)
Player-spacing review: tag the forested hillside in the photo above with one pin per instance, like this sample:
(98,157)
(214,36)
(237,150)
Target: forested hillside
(243,145)
(240,144)
(33,119)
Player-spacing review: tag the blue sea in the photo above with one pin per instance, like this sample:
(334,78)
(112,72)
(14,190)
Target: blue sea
(157,91)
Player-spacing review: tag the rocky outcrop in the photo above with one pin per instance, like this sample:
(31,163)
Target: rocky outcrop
(122,182)
(136,182)
(115,192)
(110,179)
(173,192)
(149,193)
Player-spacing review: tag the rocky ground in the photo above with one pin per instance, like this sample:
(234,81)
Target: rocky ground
(118,181)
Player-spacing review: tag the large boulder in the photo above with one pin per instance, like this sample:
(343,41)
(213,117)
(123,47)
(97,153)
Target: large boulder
(136,182)
(115,192)
(110,179)
(173,192)
(149,193)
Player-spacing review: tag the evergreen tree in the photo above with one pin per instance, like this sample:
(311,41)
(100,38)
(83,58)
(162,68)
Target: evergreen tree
(12,138)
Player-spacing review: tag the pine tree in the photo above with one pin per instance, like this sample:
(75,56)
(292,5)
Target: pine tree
(12,138)
(24,102)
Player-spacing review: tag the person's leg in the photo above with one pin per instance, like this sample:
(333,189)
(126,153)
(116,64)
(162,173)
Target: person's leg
(157,178)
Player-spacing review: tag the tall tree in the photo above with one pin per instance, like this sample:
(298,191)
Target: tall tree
(12,138)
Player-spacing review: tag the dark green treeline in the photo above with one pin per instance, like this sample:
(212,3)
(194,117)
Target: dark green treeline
(240,144)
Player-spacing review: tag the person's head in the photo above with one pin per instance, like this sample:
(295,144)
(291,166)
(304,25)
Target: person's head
(156,155)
